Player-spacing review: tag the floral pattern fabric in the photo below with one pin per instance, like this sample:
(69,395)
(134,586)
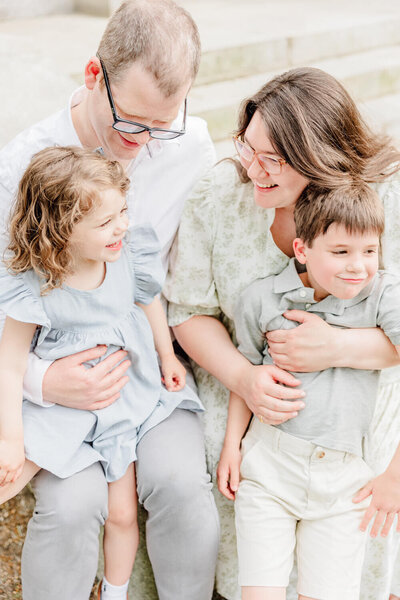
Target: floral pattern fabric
(223,243)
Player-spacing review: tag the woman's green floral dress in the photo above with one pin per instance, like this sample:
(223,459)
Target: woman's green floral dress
(224,243)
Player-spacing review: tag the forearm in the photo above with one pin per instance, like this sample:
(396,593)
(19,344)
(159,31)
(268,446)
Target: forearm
(239,416)
(158,322)
(207,342)
(363,349)
(10,405)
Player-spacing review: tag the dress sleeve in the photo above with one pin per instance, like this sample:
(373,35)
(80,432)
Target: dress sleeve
(144,257)
(190,287)
(19,300)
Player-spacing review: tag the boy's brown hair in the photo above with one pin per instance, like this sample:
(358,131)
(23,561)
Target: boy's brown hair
(356,206)
(59,187)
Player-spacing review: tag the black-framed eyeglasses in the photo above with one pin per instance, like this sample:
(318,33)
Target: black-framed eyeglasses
(125,126)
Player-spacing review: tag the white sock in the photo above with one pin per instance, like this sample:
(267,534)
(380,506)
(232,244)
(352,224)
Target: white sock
(113,592)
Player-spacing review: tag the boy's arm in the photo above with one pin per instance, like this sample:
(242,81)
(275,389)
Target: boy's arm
(239,416)
(14,349)
(172,370)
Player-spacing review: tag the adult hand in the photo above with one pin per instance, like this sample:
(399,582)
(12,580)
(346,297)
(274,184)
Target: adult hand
(385,503)
(70,383)
(309,347)
(266,398)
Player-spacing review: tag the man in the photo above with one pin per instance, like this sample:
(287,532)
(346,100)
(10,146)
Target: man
(129,108)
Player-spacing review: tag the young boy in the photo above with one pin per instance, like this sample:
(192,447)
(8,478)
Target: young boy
(299,479)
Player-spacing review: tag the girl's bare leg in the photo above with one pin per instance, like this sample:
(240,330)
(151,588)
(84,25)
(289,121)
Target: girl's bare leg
(263,593)
(121,532)
(9,490)
(306,598)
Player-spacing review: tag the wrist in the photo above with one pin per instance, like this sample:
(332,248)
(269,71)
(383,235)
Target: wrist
(338,348)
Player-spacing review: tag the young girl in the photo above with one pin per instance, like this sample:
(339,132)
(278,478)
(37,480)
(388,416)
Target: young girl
(73,283)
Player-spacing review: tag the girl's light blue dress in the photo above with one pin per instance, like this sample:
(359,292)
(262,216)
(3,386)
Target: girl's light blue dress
(65,440)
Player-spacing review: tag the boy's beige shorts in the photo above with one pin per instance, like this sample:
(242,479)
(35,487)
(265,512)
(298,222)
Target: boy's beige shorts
(296,496)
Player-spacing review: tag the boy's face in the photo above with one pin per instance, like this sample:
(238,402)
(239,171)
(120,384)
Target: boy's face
(338,262)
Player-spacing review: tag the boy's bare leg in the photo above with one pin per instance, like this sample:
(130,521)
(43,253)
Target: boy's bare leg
(121,532)
(9,490)
(263,593)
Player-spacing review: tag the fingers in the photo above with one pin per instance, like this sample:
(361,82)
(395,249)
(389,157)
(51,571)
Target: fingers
(234,480)
(223,482)
(103,403)
(369,513)
(169,382)
(388,523)
(301,316)
(379,520)
(271,417)
(105,395)
(284,377)
(86,355)
(363,493)
(105,366)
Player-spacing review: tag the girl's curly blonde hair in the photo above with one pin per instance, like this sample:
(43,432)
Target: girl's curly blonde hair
(59,187)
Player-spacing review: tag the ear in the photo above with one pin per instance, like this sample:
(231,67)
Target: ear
(92,72)
(300,250)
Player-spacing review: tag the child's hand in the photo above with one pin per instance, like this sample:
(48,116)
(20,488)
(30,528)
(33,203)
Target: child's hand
(385,503)
(12,458)
(174,373)
(228,471)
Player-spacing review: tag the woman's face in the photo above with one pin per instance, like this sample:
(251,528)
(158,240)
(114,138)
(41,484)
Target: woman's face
(271,191)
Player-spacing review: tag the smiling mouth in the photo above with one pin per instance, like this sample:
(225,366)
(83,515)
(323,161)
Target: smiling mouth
(115,245)
(128,143)
(266,186)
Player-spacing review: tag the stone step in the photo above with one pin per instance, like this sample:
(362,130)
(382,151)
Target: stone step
(318,41)
(382,114)
(366,75)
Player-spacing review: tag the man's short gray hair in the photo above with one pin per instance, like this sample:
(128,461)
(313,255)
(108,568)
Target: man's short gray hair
(158,34)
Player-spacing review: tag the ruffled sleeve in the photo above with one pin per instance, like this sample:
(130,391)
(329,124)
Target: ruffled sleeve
(144,257)
(20,299)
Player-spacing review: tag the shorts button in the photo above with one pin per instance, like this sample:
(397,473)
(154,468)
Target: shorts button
(320,454)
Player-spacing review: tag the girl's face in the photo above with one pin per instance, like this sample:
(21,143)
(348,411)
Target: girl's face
(98,236)
(270,191)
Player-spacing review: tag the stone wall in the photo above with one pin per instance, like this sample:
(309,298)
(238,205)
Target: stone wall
(12,9)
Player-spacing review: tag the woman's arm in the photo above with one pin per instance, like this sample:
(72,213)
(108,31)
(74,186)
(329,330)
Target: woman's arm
(207,342)
(173,371)
(14,349)
(315,346)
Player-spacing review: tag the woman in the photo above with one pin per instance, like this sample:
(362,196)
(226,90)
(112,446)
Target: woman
(301,127)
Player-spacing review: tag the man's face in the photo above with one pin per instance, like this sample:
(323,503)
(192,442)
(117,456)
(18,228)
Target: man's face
(137,98)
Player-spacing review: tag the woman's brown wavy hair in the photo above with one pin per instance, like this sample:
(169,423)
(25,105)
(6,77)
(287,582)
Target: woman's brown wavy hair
(59,187)
(313,123)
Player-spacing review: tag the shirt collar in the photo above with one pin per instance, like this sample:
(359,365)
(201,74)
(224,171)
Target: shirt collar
(289,284)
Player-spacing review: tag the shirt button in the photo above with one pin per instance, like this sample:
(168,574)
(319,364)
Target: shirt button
(320,454)
(302,294)
(308,305)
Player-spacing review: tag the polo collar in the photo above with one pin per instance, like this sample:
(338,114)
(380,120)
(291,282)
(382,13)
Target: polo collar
(289,284)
